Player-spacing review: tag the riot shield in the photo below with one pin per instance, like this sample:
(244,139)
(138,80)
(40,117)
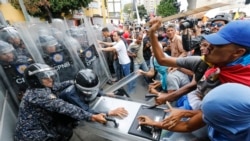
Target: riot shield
(9,34)
(56,51)
(111,27)
(80,34)
(121,83)
(12,67)
(98,32)
(90,55)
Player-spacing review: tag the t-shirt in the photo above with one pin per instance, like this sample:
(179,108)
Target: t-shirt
(138,50)
(162,71)
(176,80)
(189,62)
(122,52)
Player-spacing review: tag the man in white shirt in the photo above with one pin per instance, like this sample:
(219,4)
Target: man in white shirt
(121,50)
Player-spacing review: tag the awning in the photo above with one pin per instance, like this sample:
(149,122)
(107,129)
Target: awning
(11,14)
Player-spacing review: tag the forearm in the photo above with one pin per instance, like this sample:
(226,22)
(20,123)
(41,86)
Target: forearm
(158,53)
(195,122)
(107,43)
(186,71)
(108,49)
(131,54)
(62,85)
(183,90)
(183,54)
(146,47)
(150,73)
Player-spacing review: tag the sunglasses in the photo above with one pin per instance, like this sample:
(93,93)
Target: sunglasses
(217,24)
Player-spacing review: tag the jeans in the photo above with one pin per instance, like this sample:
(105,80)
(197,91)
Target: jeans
(126,71)
(142,66)
(117,68)
(148,62)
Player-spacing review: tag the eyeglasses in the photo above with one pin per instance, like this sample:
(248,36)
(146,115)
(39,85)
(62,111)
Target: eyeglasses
(217,24)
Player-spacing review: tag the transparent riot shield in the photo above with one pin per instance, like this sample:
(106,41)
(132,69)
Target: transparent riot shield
(12,66)
(46,46)
(98,32)
(80,34)
(10,34)
(111,27)
(121,83)
(89,53)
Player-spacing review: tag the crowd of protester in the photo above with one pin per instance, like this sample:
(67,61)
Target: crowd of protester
(199,65)
(202,68)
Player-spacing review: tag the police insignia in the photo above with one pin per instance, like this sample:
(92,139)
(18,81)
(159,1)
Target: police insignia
(20,68)
(57,57)
(88,54)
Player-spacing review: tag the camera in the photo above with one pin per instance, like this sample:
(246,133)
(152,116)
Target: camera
(205,30)
(190,43)
(188,23)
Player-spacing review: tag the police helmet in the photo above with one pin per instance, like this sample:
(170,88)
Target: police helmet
(47,40)
(222,17)
(9,33)
(5,47)
(88,83)
(72,32)
(58,34)
(35,72)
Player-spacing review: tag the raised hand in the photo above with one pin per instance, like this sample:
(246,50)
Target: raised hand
(155,24)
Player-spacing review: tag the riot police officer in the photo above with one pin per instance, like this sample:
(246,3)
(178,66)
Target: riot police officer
(85,90)
(56,55)
(80,35)
(36,117)
(13,66)
(10,35)
(87,53)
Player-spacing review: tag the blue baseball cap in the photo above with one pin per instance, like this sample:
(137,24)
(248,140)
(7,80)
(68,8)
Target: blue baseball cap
(237,32)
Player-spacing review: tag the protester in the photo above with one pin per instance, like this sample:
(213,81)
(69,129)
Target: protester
(227,50)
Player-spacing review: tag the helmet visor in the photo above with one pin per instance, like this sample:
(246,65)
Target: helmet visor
(88,91)
(49,74)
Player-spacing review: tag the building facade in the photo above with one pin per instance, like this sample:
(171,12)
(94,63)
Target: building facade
(151,5)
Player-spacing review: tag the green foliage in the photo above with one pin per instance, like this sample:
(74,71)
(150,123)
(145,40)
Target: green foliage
(41,8)
(127,8)
(166,8)
(142,11)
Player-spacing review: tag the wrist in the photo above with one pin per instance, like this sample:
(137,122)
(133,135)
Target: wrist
(156,124)
(93,118)
(107,114)
(159,93)
(143,72)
